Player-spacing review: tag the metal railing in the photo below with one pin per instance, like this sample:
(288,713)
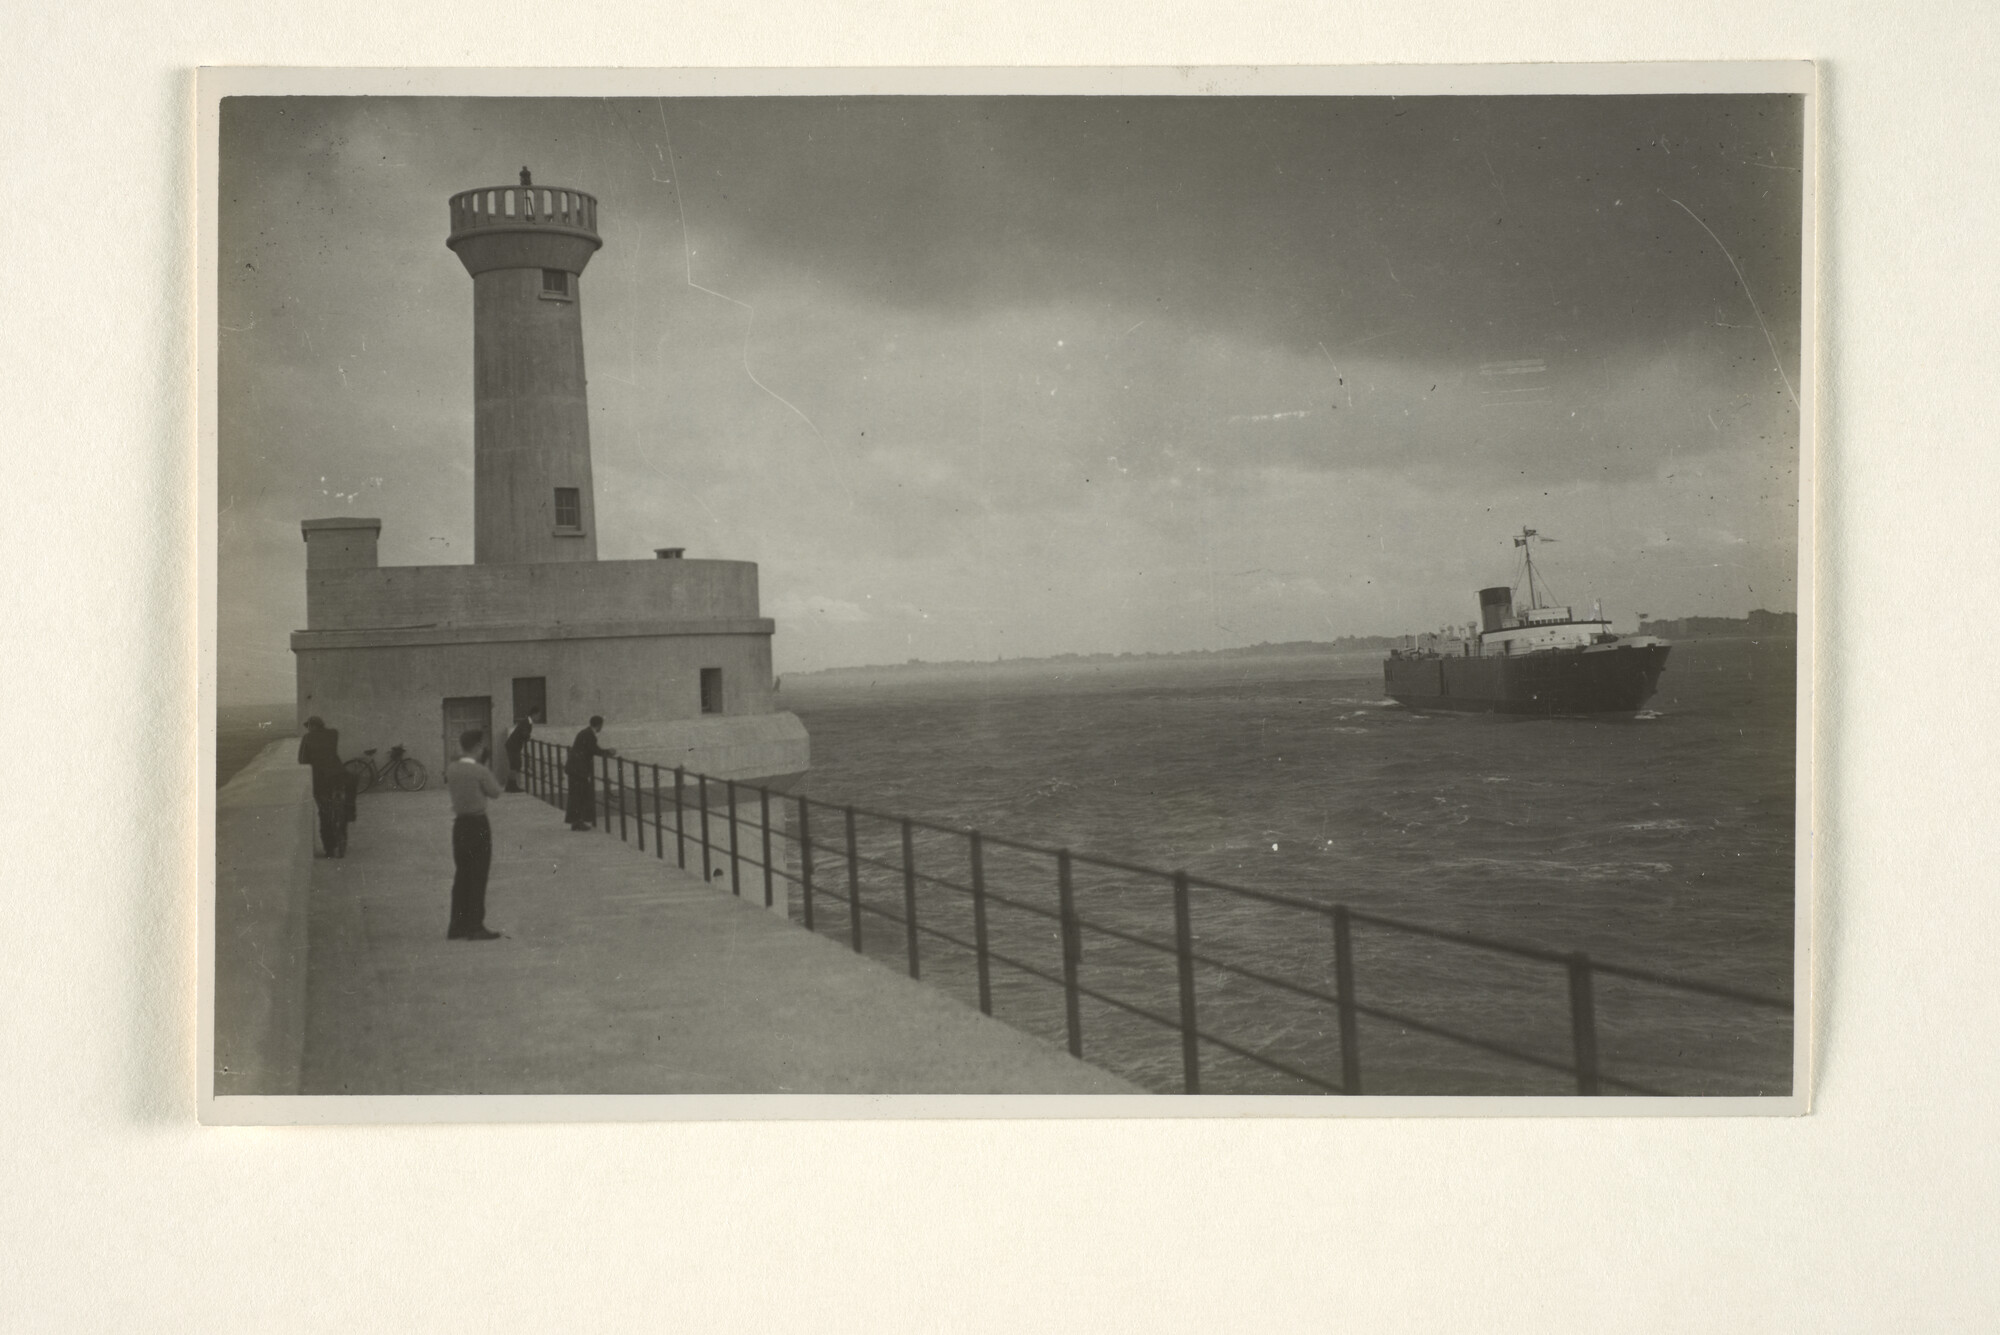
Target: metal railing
(818,848)
(523,206)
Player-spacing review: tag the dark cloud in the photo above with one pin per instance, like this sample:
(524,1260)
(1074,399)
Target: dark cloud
(1030,375)
(1444,225)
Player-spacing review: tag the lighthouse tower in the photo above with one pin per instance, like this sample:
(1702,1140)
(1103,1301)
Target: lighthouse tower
(526,247)
(674,653)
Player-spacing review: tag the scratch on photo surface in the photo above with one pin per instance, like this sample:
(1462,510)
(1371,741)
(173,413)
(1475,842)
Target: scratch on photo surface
(694,495)
(1340,379)
(750,312)
(1776,361)
(1272,417)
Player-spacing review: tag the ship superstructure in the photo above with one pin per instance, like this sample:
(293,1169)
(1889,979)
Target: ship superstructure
(1538,659)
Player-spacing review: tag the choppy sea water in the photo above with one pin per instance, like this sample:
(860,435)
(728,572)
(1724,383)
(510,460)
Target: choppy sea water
(1664,842)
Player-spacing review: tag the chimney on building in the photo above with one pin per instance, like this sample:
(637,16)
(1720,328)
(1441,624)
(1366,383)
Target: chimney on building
(341,544)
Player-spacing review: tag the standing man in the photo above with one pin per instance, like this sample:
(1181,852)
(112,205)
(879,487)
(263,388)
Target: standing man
(320,748)
(582,771)
(517,751)
(471,784)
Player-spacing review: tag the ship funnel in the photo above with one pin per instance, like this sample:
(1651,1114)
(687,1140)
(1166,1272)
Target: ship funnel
(1496,607)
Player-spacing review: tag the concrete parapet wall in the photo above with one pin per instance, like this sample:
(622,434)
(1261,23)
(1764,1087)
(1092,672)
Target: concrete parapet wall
(383,696)
(541,594)
(263,874)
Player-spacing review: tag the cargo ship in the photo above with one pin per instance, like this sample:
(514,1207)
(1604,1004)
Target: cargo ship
(1538,659)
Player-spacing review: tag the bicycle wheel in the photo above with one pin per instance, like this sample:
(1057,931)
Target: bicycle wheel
(364,774)
(410,775)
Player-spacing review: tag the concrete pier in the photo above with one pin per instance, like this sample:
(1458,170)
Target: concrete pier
(618,975)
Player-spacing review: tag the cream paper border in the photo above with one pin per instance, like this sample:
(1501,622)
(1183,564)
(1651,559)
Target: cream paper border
(213,84)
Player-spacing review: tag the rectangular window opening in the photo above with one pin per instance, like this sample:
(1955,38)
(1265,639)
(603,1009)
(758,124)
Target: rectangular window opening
(569,507)
(531,698)
(711,690)
(556,281)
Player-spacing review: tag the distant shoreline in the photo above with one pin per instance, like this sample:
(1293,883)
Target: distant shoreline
(1763,625)
(243,731)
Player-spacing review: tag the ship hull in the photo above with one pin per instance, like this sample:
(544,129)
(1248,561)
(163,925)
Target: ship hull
(1614,679)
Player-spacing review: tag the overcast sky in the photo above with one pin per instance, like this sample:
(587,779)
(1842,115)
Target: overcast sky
(1020,376)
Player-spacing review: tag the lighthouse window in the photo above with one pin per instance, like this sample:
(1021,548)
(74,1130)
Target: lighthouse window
(711,690)
(555,282)
(569,507)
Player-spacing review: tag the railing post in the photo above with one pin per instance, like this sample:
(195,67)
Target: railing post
(701,792)
(604,791)
(764,815)
(735,863)
(1072,953)
(638,807)
(910,897)
(1343,987)
(853,885)
(621,801)
(1583,1022)
(805,862)
(1184,955)
(680,818)
(979,922)
(659,834)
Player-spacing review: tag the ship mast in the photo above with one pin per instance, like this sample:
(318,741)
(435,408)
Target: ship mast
(1526,543)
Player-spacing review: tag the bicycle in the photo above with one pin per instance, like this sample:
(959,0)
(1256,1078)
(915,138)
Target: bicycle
(406,771)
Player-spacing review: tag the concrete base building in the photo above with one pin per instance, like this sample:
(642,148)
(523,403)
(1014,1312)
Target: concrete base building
(673,653)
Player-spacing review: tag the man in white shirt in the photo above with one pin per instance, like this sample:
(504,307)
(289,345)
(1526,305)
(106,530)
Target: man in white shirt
(471,784)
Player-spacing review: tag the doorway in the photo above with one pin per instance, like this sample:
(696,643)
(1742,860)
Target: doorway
(468,711)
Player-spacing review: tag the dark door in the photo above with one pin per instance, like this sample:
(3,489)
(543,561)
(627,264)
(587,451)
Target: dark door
(468,711)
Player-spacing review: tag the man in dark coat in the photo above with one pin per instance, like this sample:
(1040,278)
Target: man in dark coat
(517,751)
(581,769)
(320,748)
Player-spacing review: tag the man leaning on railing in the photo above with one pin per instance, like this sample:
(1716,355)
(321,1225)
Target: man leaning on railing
(582,771)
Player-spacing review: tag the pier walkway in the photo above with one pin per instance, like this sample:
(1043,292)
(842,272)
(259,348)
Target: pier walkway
(618,975)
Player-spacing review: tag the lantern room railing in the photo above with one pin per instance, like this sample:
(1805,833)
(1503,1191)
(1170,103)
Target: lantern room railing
(554,207)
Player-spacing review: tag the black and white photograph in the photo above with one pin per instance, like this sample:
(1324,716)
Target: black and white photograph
(1292,597)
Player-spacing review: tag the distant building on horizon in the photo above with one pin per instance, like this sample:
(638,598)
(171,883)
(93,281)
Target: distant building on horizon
(1776,625)
(674,653)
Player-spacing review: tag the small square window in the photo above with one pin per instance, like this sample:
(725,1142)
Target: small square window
(556,281)
(569,507)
